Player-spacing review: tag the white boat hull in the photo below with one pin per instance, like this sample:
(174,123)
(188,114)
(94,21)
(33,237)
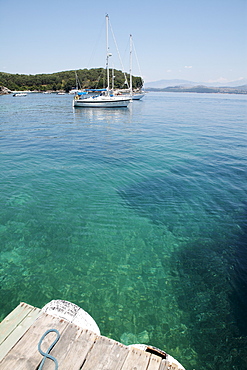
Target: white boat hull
(133,96)
(101,102)
(20,94)
(137,96)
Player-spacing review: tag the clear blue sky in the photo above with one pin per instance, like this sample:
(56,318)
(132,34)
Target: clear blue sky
(197,40)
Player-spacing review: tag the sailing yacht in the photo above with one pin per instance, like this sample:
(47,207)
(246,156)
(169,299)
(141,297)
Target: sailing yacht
(76,89)
(104,99)
(135,95)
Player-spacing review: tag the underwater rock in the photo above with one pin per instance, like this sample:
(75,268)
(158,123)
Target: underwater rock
(143,337)
(19,200)
(130,338)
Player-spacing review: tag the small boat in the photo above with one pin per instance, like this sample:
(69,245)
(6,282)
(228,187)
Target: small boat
(105,99)
(19,94)
(76,89)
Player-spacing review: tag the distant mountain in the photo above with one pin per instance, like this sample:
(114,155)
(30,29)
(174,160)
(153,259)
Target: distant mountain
(202,89)
(227,84)
(161,84)
(242,87)
(166,83)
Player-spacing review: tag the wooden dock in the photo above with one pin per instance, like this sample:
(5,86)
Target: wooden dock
(77,348)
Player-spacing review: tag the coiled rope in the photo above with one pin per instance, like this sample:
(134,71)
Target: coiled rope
(46,354)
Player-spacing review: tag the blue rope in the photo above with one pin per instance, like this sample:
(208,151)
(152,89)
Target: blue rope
(46,354)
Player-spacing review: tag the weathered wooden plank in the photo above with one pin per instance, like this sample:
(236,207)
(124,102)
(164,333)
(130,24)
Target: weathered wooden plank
(154,363)
(72,348)
(13,319)
(168,365)
(165,365)
(77,348)
(81,346)
(16,325)
(105,354)
(25,355)
(136,359)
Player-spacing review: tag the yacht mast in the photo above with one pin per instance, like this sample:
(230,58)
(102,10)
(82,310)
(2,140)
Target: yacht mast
(130,65)
(113,77)
(107,54)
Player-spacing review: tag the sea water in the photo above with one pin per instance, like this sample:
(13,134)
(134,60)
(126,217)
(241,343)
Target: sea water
(137,215)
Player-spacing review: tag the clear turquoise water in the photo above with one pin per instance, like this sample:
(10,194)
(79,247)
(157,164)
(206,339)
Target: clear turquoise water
(137,215)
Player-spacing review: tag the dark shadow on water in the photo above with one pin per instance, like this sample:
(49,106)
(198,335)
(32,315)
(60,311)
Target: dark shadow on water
(205,288)
(211,262)
(178,202)
(160,198)
(239,295)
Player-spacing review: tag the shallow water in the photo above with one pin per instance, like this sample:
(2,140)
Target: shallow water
(137,215)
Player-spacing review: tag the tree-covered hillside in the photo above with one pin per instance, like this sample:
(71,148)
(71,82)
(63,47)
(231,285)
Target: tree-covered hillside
(66,80)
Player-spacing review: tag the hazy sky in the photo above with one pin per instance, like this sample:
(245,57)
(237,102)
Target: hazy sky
(197,40)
